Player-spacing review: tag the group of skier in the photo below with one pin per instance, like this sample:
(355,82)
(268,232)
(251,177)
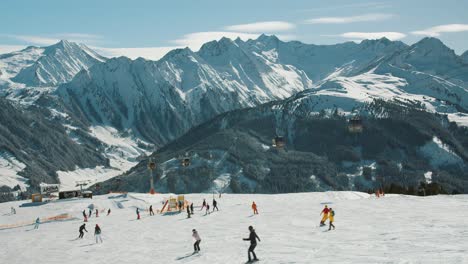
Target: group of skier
(253,237)
(97,232)
(328,213)
(207,206)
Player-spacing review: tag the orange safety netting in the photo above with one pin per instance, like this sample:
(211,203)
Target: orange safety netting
(61,217)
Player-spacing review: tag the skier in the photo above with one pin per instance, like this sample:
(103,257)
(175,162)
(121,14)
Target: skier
(207,209)
(108,211)
(97,213)
(90,213)
(197,238)
(253,243)
(188,212)
(138,213)
(203,205)
(97,233)
(331,219)
(181,206)
(151,210)
(215,205)
(325,212)
(254,208)
(13,210)
(82,227)
(191,208)
(36,225)
(85,216)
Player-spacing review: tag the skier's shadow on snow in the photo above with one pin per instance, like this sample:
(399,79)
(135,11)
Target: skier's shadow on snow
(88,245)
(186,256)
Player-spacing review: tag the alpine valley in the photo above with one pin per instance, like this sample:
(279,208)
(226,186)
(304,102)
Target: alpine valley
(70,115)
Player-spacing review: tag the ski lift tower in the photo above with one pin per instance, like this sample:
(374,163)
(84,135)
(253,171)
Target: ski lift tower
(81,184)
(151,167)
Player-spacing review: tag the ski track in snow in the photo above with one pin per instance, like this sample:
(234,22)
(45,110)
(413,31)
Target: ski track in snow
(393,229)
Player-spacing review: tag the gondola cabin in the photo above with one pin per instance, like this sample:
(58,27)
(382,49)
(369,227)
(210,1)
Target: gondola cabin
(185,161)
(355,125)
(278,142)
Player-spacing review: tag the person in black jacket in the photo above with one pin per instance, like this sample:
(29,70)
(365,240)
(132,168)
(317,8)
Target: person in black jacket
(97,233)
(191,208)
(82,227)
(253,243)
(215,205)
(151,210)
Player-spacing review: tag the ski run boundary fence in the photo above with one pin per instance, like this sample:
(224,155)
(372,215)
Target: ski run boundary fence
(61,217)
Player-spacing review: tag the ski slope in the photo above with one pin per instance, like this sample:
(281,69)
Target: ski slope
(393,229)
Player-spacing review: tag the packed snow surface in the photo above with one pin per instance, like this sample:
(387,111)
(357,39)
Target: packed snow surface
(392,229)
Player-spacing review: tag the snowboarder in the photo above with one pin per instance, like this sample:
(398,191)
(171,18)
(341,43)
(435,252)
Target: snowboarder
(203,205)
(108,211)
(13,210)
(197,238)
(36,225)
(188,212)
(253,243)
(82,227)
(254,208)
(97,233)
(331,218)
(138,213)
(97,213)
(151,210)
(215,205)
(325,212)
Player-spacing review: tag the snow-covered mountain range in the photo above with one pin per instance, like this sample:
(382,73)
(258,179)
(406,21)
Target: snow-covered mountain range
(133,106)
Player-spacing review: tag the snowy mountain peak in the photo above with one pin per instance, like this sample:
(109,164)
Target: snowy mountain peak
(432,45)
(268,38)
(58,64)
(177,53)
(216,48)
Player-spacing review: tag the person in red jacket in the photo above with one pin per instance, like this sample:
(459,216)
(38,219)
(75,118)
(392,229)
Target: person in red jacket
(325,212)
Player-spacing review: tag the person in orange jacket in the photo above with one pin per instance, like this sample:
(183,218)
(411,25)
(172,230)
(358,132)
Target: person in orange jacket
(254,208)
(325,212)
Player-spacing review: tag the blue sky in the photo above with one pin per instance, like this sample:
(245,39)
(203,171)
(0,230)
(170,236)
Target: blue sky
(151,28)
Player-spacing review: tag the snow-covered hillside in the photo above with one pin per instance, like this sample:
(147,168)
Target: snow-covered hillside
(58,64)
(162,100)
(393,229)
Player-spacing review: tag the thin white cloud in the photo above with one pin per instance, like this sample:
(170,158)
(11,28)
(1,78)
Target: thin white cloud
(368,5)
(437,30)
(262,27)
(10,48)
(349,19)
(371,35)
(52,39)
(149,53)
(37,40)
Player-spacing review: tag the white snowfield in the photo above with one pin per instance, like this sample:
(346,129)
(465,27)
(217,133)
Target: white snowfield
(393,229)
